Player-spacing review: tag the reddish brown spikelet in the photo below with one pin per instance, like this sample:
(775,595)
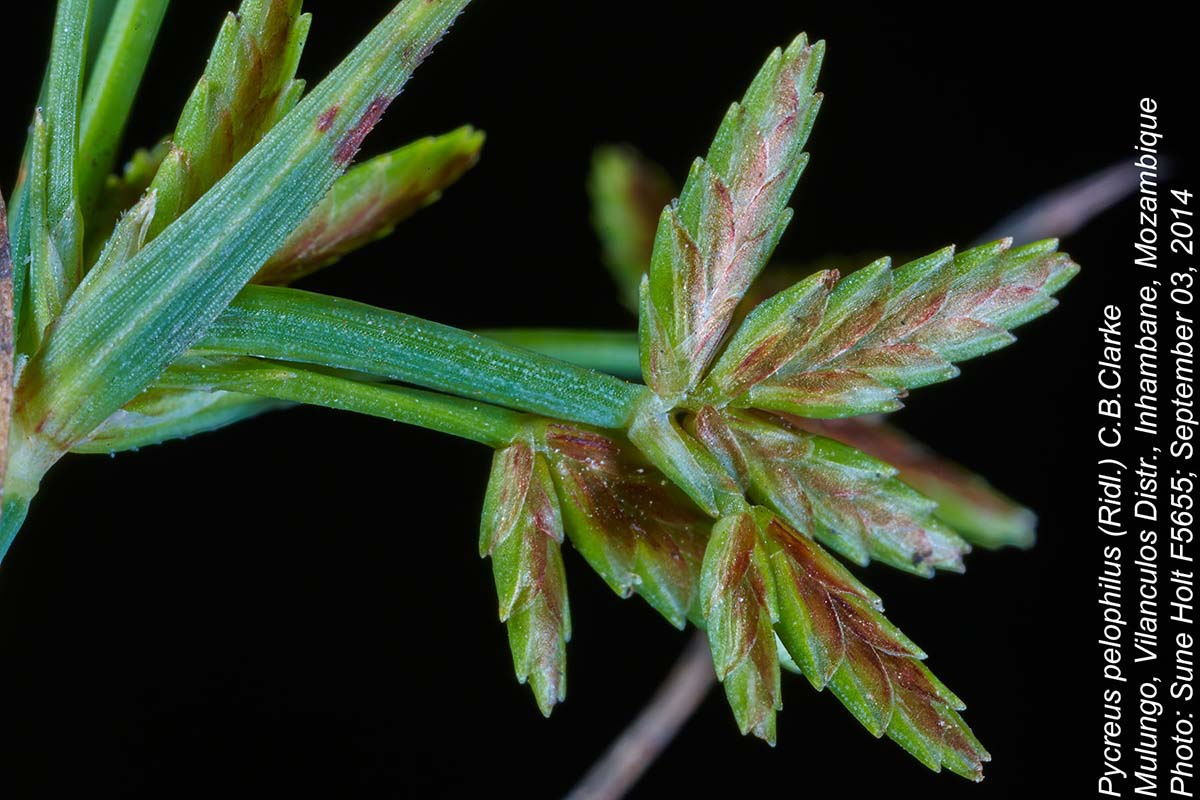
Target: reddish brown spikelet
(966,501)
(368,202)
(714,240)
(834,629)
(856,305)
(521,530)
(248,85)
(826,393)
(771,336)
(632,525)
(849,501)
(739,609)
(885,331)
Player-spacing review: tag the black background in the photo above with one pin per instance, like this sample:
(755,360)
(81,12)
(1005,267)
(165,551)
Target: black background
(296,604)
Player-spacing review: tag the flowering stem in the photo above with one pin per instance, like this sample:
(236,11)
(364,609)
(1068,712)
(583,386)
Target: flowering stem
(198,411)
(478,422)
(292,325)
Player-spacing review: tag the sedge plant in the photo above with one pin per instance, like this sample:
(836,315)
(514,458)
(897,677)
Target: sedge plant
(725,487)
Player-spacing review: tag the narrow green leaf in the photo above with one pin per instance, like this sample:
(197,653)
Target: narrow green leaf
(120,60)
(368,201)
(141,423)
(102,12)
(50,282)
(55,224)
(47,282)
(19,220)
(293,325)
(124,326)
(62,108)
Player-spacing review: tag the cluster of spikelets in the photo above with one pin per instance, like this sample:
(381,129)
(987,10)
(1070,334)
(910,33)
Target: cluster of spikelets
(712,491)
(758,415)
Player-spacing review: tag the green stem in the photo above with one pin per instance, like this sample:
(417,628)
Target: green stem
(29,458)
(478,422)
(193,412)
(292,325)
(112,83)
(614,352)
(15,509)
